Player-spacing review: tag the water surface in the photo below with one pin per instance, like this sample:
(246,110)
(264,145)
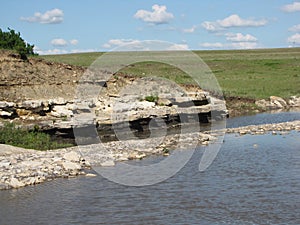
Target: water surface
(253,180)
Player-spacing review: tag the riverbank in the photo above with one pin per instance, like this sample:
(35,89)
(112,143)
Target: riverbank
(39,94)
(22,167)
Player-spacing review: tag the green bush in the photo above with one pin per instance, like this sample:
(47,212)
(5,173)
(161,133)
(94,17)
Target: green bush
(12,40)
(12,135)
(151,98)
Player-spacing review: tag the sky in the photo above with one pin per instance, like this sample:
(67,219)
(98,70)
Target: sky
(69,26)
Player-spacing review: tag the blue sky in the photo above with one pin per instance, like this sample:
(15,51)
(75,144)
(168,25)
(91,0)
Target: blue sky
(64,26)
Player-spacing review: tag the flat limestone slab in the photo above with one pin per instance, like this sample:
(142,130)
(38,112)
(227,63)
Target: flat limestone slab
(6,150)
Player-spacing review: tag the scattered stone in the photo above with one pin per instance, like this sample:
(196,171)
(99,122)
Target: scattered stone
(5,113)
(164,102)
(108,163)
(72,156)
(31,104)
(15,183)
(71,166)
(91,175)
(5,105)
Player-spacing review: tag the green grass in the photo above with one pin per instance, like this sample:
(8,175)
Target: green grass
(12,135)
(151,98)
(77,59)
(241,73)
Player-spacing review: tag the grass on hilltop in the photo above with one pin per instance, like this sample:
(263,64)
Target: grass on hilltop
(252,74)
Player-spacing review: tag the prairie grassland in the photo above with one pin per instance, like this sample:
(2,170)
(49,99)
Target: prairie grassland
(254,74)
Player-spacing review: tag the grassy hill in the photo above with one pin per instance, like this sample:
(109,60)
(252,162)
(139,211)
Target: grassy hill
(252,74)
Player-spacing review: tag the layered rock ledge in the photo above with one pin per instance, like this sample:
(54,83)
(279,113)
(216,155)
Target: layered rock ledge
(21,167)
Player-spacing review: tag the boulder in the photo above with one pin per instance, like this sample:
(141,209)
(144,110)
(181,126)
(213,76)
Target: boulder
(31,104)
(4,105)
(5,164)
(71,166)
(22,112)
(108,163)
(278,102)
(164,102)
(294,101)
(32,164)
(15,183)
(273,103)
(61,111)
(264,104)
(72,156)
(5,113)
(57,101)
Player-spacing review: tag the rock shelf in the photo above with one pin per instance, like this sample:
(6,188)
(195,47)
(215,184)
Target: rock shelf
(275,128)
(21,167)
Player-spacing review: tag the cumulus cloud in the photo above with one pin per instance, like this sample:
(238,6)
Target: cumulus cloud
(294,7)
(178,47)
(140,45)
(239,37)
(212,45)
(295,28)
(159,15)
(243,45)
(294,39)
(232,21)
(73,42)
(51,51)
(119,42)
(233,45)
(59,42)
(53,16)
(190,30)
(57,51)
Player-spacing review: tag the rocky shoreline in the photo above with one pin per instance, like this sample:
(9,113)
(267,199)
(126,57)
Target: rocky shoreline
(44,95)
(277,128)
(22,167)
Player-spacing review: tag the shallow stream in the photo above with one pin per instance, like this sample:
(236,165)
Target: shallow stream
(255,179)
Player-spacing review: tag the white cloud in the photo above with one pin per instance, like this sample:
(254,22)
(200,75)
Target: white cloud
(73,42)
(295,28)
(138,45)
(294,39)
(59,42)
(178,47)
(57,51)
(83,50)
(232,21)
(235,21)
(238,37)
(53,16)
(233,45)
(190,30)
(294,7)
(119,42)
(212,45)
(243,45)
(159,15)
(51,51)
(211,26)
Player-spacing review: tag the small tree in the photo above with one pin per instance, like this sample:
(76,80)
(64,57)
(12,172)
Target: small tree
(12,40)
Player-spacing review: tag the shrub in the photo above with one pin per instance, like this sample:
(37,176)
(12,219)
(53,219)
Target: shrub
(151,98)
(12,135)
(12,40)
